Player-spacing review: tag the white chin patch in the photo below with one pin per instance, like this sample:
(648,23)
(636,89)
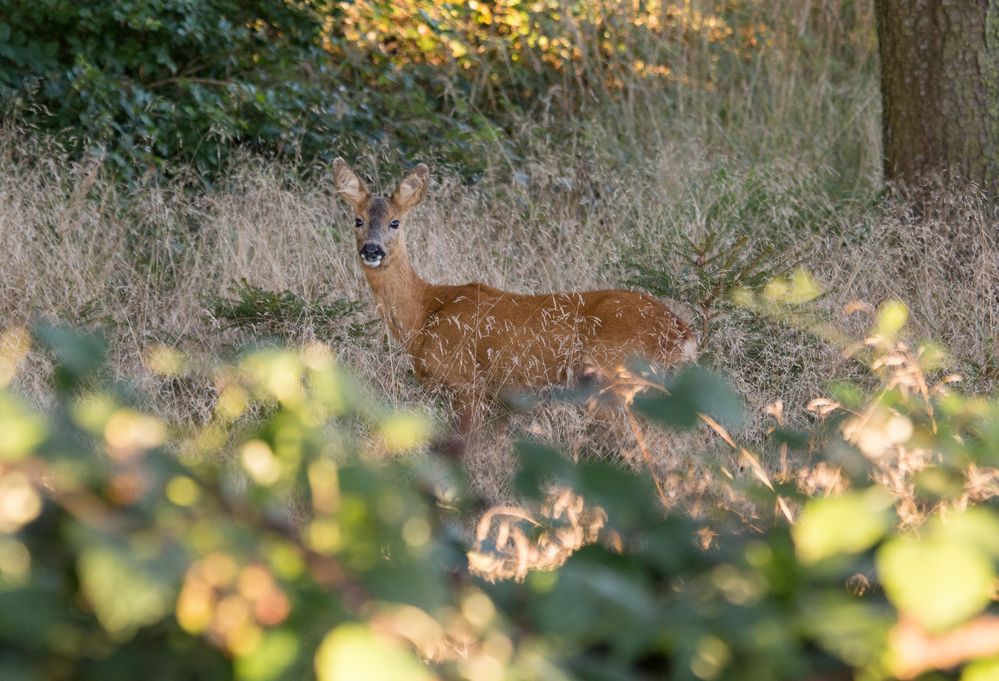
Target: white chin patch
(372,263)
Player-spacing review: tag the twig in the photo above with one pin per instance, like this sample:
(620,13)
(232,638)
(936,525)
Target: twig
(640,438)
(179,80)
(917,651)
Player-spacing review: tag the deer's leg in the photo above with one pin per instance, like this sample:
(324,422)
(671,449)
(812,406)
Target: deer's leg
(454,445)
(467,407)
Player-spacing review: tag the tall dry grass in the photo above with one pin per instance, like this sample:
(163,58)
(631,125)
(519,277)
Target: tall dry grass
(782,148)
(144,267)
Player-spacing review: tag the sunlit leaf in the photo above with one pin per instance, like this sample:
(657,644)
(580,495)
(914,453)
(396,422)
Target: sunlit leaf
(21,430)
(20,502)
(182,491)
(974,527)
(15,563)
(277,374)
(892,316)
(982,670)
(353,652)
(259,461)
(276,652)
(939,582)
(92,411)
(165,360)
(124,594)
(804,287)
(404,432)
(799,288)
(128,432)
(845,524)
(852,630)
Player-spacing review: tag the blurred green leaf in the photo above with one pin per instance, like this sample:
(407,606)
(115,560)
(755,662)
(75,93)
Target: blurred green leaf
(939,582)
(844,524)
(852,630)
(599,596)
(541,465)
(353,652)
(892,316)
(693,391)
(21,430)
(124,594)
(977,527)
(982,670)
(795,439)
(79,355)
(270,659)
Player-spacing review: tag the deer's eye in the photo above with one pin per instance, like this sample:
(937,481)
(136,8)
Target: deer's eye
(394,224)
(358,222)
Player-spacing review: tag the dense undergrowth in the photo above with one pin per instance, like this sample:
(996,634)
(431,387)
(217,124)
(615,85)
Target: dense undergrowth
(163,86)
(271,542)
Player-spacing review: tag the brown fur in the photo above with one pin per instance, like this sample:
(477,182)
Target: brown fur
(476,339)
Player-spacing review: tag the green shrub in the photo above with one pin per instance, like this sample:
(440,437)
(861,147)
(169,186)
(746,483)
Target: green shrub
(281,313)
(129,546)
(146,81)
(168,85)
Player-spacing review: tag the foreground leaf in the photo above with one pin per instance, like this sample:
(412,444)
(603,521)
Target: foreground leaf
(846,524)
(938,582)
(352,652)
(123,594)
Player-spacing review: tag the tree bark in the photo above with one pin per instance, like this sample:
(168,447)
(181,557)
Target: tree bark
(940,90)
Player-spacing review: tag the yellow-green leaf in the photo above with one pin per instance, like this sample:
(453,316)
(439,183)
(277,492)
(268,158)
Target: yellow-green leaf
(939,582)
(404,432)
(982,670)
(977,527)
(21,430)
(269,660)
(124,596)
(845,524)
(352,652)
(892,316)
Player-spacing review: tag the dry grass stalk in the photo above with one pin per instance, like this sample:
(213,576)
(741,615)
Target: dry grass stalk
(510,541)
(141,267)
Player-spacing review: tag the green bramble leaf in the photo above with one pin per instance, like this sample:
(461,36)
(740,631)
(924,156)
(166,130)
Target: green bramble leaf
(845,524)
(123,593)
(939,582)
(353,652)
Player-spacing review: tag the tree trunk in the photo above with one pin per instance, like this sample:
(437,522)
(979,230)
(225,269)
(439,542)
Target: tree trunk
(940,90)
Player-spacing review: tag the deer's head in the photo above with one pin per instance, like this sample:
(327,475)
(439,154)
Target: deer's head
(379,220)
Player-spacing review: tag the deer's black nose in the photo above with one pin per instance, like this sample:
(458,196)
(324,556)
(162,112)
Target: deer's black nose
(372,252)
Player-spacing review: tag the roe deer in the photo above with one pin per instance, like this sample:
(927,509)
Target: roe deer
(473,339)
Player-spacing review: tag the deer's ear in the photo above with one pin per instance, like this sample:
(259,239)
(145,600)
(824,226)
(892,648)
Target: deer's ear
(412,189)
(349,186)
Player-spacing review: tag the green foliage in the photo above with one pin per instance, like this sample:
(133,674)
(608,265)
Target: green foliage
(279,314)
(352,652)
(842,525)
(750,225)
(129,543)
(693,391)
(167,85)
(710,270)
(911,569)
(146,81)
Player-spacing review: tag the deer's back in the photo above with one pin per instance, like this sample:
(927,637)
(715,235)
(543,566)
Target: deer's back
(477,335)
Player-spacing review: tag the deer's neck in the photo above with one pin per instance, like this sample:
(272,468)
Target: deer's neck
(399,290)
